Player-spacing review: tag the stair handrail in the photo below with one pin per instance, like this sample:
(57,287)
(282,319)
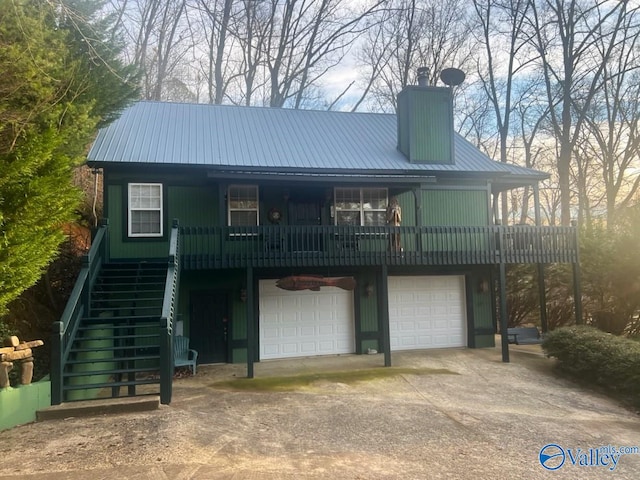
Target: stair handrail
(169,304)
(77,306)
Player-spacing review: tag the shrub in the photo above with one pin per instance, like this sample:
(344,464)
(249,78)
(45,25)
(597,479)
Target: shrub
(596,357)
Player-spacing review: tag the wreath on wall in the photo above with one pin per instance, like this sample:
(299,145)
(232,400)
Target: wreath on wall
(274,215)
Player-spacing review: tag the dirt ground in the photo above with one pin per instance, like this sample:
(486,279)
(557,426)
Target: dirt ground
(484,419)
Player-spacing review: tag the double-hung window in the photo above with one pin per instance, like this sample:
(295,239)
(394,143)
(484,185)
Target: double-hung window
(361,206)
(145,210)
(243,205)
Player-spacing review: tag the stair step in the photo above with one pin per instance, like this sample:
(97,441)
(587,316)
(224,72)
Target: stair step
(126,292)
(122,300)
(130,307)
(129,287)
(113,348)
(146,381)
(118,337)
(114,359)
(107,372)
(143,318)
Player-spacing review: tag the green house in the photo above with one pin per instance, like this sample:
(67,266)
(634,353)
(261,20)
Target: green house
(213,209)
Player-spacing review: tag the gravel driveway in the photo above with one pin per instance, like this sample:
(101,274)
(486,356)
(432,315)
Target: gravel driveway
(485,419)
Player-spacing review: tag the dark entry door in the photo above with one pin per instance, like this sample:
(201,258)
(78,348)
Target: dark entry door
(209,325)
(305,214)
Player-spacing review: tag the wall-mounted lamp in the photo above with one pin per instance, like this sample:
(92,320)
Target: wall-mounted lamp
(368,290)
(483,285)
(243,295)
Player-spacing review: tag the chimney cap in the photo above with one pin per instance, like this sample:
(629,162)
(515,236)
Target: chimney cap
(423,76)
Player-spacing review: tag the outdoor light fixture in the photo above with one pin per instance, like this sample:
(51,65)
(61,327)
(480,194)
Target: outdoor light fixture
(368,290)
(243,295)
(483,285)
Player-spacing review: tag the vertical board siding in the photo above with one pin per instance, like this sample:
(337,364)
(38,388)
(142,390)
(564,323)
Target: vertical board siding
(454,208)
(432,129)
(193,205)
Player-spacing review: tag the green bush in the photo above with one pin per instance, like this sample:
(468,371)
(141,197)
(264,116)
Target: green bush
(596,357)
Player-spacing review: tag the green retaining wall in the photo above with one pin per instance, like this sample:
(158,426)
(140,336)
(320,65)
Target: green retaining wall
(19,405)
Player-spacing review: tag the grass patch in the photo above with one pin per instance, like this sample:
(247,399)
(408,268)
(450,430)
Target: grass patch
(295,382)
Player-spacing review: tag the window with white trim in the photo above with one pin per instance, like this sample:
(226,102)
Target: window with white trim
(243,205)
(145,210)
(360,206)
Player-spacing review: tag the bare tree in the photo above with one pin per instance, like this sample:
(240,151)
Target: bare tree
(501,33)
(574,40)
(414,33)
(305,39)
(157,40)
(607,155)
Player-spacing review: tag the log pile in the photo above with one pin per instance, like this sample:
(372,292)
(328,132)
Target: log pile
(15,350)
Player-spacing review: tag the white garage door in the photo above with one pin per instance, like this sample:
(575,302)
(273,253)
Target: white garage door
(305,323)
(427,312)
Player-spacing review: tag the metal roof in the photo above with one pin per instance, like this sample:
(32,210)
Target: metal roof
(273,139)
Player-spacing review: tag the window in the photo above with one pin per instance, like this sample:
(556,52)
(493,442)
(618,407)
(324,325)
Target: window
(145,210)
(360,206)
(243,205)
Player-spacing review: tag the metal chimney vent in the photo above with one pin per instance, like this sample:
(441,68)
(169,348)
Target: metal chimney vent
(423,76)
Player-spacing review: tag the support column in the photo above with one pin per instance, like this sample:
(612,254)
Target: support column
(503,313)
(542,295)
(504,338)
(250,323)
(383,309)
(577,293)
(577,284)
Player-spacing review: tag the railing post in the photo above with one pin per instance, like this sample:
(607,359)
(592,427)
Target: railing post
(577,288)
(56,363)
(504,338)
(166,362)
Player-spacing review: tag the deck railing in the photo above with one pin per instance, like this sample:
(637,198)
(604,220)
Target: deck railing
(169,306)
(77,307)
(286,246)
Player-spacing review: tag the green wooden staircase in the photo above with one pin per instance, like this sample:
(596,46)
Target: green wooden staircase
(115,337)
(118,343)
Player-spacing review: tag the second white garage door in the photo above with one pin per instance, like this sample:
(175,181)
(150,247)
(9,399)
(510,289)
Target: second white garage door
(305,323)
(427,312)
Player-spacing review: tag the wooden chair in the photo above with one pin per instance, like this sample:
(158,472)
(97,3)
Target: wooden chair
(182,352)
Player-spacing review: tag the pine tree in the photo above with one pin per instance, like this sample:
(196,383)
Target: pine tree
(58,84)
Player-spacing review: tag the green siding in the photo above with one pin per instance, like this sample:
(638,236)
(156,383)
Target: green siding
(193,206)
(455,208)
(482,312)
(120,246)
(368,305)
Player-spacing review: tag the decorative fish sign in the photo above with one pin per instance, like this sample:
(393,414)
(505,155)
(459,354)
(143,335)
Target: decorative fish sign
(312,282)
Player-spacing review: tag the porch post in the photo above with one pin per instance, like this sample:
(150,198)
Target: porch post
(504,338)
(383,308)
(250,323)
(577,288)
(542,293)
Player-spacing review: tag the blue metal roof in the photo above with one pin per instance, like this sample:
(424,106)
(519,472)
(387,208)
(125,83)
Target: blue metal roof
(268,139)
